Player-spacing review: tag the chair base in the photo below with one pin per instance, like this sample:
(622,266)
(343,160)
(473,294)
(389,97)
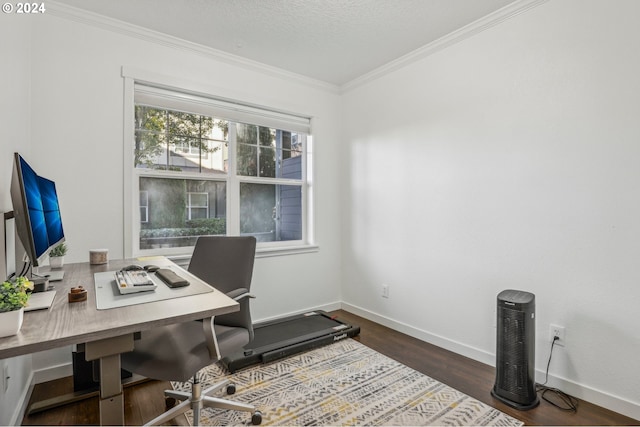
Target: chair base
(197,400)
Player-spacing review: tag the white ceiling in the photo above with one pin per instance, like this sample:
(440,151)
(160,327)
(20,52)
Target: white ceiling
(334,41)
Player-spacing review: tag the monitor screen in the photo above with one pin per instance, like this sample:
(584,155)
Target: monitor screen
(51,210)
(36,211)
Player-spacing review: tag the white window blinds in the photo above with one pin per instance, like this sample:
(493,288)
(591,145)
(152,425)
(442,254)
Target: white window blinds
(220,108)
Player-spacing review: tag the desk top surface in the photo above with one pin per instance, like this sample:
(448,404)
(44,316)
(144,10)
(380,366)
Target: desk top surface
(67,323)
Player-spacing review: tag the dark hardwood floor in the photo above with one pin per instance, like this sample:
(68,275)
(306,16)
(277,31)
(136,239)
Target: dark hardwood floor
(145,401)
(471,377)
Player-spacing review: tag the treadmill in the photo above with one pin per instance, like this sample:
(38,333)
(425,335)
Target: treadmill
(283,337)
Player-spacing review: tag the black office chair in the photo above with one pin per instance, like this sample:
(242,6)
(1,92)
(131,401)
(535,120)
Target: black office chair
(178,352)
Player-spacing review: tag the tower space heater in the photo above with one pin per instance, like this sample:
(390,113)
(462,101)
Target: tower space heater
(515,350)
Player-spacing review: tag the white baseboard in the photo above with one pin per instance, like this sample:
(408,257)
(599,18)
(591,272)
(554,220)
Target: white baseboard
(326,307)
(606,400)
(52,373)
(23,401)
(66,369)
(454,346)
(597,397)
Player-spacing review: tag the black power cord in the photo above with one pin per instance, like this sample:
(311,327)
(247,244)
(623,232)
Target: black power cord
(568,403)
(25,269)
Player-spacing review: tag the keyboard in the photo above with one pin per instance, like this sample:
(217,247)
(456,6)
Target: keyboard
(129,282)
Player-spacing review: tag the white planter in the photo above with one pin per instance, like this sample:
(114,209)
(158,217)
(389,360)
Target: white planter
(56,261)
(10,322)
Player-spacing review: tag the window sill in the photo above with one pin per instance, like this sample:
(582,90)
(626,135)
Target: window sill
(183,260)
(286,250)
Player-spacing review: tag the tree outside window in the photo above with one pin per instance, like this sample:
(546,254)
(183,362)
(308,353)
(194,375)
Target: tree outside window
(183,168)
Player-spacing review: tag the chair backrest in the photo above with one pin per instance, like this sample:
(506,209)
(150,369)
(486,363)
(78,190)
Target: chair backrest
(226,263)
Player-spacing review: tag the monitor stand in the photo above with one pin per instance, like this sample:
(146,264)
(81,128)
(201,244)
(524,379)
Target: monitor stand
(55,275)
(48,273)
(42,278)
(40,283)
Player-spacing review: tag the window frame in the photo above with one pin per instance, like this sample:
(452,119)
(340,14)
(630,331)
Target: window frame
(233,181)
(191,206)
(146,206)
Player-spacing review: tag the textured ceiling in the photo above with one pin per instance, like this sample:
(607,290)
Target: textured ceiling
(334,41)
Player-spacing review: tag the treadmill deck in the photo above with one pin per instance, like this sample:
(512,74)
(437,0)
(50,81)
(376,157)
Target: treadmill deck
(280,338)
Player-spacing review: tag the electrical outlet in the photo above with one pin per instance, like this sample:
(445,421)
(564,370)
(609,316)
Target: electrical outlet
(557,331)
(385,291)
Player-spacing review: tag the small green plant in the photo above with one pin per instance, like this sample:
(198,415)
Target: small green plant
(60,250)
(14,295)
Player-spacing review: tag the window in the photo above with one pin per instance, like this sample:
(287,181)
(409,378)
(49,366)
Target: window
(173,140)
(144,206)
(197,205)
(204,166)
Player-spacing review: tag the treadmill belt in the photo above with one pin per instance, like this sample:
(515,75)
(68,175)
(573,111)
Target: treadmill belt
(291,329)
(290,335)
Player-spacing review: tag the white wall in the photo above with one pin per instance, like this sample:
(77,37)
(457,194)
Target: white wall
(76,130)
(15,62)
(504,161)
(507,160)
(77,134)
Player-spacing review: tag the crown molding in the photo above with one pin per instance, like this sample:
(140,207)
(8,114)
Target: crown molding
(476,27)
(120,27)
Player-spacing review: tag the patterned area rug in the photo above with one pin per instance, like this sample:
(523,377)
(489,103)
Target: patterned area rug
(346,383)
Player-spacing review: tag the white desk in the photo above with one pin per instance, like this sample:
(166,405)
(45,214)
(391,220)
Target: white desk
(107,333)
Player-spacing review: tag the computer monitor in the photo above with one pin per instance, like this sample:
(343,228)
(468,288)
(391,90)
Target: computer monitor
(36,211)
(51,209)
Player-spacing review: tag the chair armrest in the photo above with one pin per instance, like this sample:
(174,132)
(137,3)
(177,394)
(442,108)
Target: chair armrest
(239,294)
(241,318)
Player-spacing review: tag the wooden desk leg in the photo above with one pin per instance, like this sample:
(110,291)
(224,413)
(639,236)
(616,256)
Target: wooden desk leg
(111,397)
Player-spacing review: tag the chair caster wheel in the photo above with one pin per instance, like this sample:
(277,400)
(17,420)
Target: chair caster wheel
(256,418)
(231,389)
(169,402)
